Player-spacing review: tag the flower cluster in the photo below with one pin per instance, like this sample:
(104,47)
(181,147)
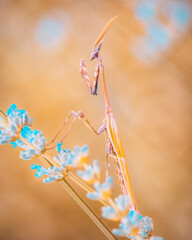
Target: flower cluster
(134,225)
(103,191)
(77,158)
(91,173)
(62,163)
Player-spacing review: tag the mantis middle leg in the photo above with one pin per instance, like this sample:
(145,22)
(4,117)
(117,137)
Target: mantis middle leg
(76,115)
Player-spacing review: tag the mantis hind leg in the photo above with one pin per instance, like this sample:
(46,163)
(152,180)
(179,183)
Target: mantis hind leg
(108,153)
(118,170)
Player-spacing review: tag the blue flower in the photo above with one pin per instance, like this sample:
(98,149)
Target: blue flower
(103,191)
(63,156)
(18,118)
(146,227)
(78,157)
(34,137)
(55,173)
(122,202)
(40,170)
(128,224)
(118,210)
(17,143)
(59,170)
(156,238)
(59,146)
(36,146)
(110,213)
(6,136)
(91,173)
(68,158)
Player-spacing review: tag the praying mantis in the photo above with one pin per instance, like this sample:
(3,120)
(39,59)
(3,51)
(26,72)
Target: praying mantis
(114,147)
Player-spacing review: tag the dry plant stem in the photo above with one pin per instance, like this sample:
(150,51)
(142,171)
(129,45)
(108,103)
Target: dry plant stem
(86,208)
(3,114)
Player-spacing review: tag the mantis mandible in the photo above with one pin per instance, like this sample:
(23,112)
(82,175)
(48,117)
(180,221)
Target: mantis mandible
(114,147)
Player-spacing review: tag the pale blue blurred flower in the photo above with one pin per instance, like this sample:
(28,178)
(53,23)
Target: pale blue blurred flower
(118,211)
(103,191)
(179,14)
(146,227)
(78,157)
(91,172)
(68,158)
(6,136)
(128,224)
(147,10)
(159,35)
(156,238)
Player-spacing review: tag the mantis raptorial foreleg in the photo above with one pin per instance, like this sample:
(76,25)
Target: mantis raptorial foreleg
(91,88)
(80,115)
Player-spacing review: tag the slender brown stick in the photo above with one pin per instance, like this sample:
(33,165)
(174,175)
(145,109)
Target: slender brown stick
(88,210)
(3,113)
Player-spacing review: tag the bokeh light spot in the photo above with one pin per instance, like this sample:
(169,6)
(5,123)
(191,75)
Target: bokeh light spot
(180,14)
(146,10)
(158,34)
(163,20)
(50,32)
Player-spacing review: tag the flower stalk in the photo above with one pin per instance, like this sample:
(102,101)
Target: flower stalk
(15,129)
(49,162)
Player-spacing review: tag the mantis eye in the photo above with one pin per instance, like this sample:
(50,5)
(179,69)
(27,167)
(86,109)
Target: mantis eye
(95,52)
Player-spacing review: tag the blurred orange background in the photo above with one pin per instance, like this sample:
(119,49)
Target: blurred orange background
(42,43)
